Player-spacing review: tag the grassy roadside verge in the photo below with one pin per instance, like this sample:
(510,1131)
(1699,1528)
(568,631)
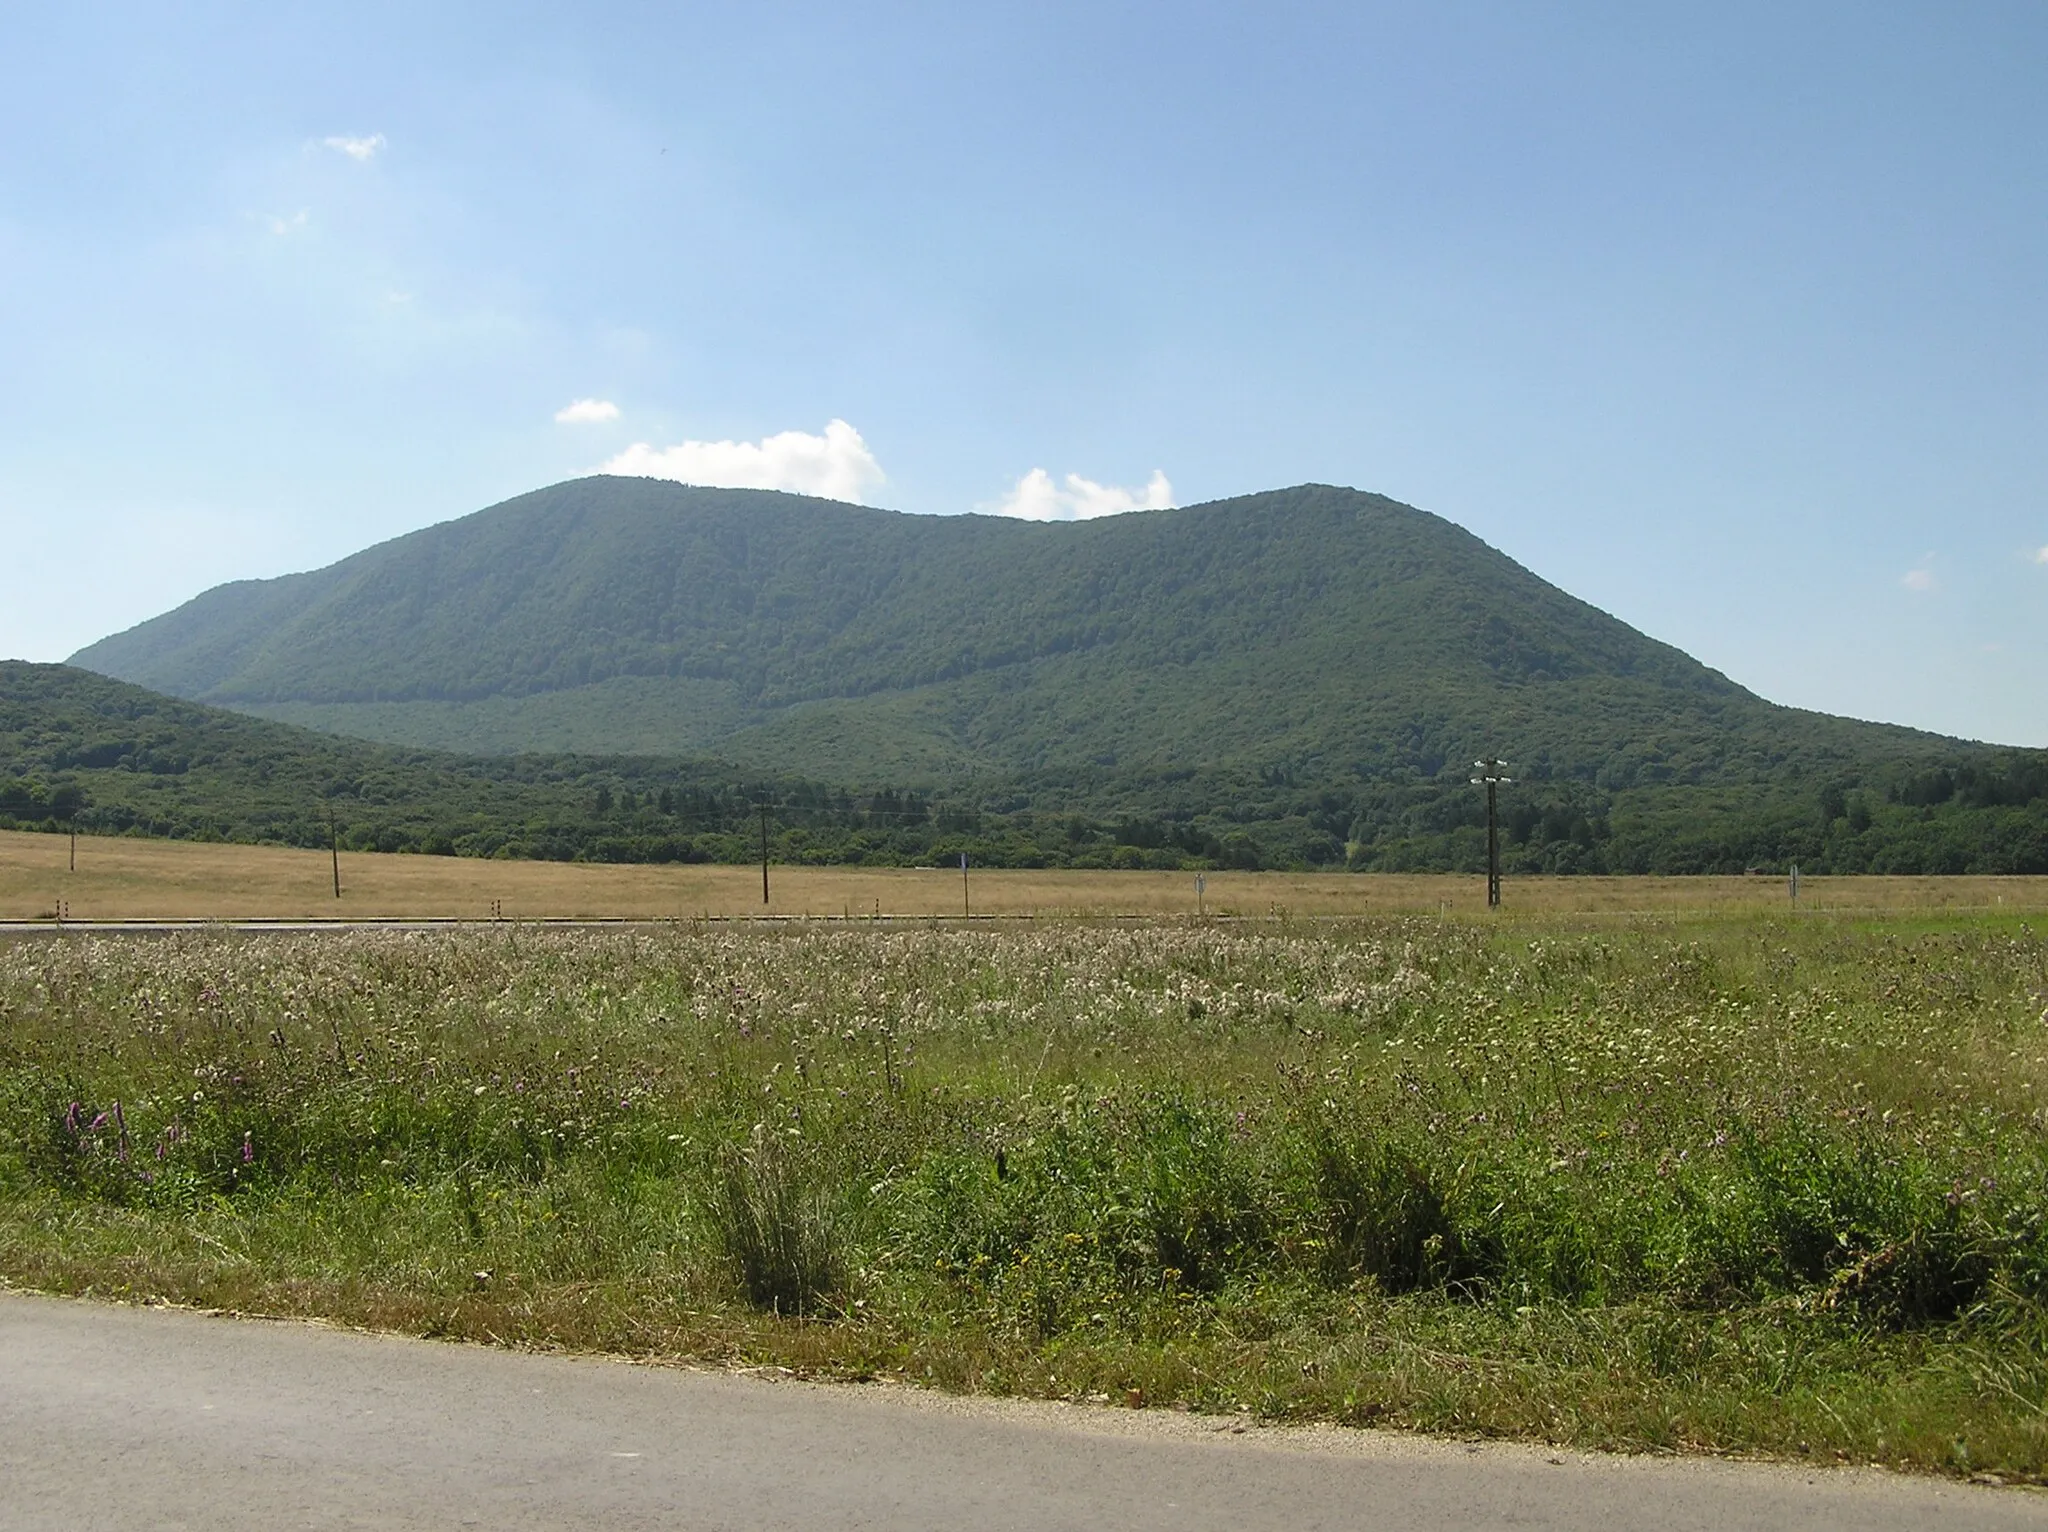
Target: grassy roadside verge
(1726,1185)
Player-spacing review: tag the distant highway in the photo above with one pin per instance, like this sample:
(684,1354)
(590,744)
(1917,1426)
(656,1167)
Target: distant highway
(21,929)
(31,930)
(305,927)
(137,1418)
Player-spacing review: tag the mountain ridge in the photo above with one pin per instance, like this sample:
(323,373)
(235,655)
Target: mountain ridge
(1314,629)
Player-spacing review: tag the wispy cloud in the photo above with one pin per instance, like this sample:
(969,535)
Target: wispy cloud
(2041,555)
(284,224)
(837,465)
(585,412)
(1920,578)
(1038,498)
(361,150)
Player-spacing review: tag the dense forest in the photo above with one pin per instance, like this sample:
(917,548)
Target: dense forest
(78,749)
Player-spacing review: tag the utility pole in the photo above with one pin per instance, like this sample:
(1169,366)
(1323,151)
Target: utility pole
(66,803)
(1492,773)
(965,909)
(764,853)
(334,848)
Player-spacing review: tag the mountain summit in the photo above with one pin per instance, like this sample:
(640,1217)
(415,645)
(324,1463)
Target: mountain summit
(1314,631)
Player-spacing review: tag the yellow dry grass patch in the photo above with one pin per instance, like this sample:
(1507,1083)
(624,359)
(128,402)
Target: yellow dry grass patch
(123,879)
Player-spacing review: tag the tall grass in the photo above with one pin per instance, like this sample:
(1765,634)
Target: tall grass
(777,1227)
(1730,1184)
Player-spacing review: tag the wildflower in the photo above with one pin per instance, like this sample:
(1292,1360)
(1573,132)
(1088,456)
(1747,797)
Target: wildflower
(248,1150)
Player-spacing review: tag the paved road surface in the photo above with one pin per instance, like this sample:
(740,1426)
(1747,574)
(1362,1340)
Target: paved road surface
(400,923)
(21,930)
(144,1419)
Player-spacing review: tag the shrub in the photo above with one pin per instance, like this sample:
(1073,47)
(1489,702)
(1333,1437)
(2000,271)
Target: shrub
(1387,1214)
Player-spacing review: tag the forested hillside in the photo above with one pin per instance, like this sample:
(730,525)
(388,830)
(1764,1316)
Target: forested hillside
(1316,635)
(1292,679)
(114,759)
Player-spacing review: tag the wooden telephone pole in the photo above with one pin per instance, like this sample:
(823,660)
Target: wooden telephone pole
(1493,775)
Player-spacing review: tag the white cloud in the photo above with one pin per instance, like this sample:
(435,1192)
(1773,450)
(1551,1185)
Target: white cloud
(585,412)
(2041,556)
(1037,498)
(1921,579)
(837,465)
(282,226)
(360,150)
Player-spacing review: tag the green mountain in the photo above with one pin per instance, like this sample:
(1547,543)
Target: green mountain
(1293,678)
(1315,630)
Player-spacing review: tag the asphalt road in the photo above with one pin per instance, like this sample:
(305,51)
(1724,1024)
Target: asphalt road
(23,930)
(145,1419)
(401,923)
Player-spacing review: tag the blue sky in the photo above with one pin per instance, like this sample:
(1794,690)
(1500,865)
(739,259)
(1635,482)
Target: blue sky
(1732,320)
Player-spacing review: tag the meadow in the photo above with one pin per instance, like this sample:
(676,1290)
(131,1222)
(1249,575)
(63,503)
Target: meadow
(1717,1182)
(122,878)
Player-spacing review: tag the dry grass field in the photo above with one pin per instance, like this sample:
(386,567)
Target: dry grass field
(122,879)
